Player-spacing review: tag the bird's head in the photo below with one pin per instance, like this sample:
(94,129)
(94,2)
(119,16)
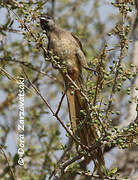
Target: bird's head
(47,23)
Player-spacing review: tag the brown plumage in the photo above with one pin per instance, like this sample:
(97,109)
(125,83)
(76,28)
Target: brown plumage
(68,48)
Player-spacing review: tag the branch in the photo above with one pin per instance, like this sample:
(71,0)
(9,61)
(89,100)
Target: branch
(60,103)
(69,146)
(117,68)
(10,30)
(60,173)
(29,65)
(88,174)
(14,79)
(11,170)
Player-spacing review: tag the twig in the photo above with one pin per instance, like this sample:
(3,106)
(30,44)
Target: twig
(10,30)
(88,174)
(69,146)
(60,173)
(67,163)
(117,71)
(14,79)
(11,170)
(60,103)
(99,83)
(29,65)
(80,90)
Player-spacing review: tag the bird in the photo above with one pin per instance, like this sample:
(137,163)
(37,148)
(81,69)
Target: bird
(67,46)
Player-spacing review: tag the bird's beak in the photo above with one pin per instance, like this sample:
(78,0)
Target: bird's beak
(43,19)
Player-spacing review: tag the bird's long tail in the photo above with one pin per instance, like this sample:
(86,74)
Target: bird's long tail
(81,124)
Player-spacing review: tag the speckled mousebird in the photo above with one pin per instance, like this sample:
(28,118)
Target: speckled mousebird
(68,48)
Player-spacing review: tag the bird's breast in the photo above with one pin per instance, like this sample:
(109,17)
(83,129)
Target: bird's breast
(65,48)
(62,46)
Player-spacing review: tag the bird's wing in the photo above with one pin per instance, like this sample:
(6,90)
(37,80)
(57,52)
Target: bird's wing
(80,53)
(81,58)
(78,41)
